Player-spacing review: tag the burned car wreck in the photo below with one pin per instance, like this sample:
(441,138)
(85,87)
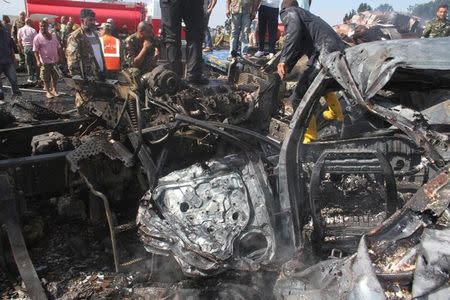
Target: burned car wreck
(219,193)
(390,80)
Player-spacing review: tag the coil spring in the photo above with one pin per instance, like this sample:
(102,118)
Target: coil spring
(132,109)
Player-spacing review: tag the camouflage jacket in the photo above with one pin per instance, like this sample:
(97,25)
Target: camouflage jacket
(15,28)
(241,6)
(437,28)
(65,33)
(132,48)
(80,56)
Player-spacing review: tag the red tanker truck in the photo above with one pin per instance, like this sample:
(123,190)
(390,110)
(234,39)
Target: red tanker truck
(126,15)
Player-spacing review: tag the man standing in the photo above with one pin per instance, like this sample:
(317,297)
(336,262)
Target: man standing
(7,62)
(268,22)
(440,26)
(84,55)
(57,31)
(47,51)
(112,28)
(307,34)
(208,6)
(242,12)
(191,12)
(111,49)
(19,23)
(74,26)
(59,35)
(25,37)
(141,53)
(7,24)
(63,23)
(68,29)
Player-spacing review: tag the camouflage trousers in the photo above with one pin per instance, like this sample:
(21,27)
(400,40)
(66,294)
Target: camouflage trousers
(134,77)
(49,76)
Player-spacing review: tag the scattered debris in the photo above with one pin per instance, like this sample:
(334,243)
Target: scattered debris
(370,26)
(232,203)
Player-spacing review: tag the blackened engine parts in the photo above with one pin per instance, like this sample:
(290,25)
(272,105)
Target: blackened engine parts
(161,80)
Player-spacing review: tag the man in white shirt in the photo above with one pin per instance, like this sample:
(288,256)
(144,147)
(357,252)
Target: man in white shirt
(25,36)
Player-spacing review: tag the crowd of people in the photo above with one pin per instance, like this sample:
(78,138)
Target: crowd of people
(251,20)
(42,54)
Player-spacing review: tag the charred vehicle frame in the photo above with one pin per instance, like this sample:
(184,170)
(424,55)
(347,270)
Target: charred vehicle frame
(247,204)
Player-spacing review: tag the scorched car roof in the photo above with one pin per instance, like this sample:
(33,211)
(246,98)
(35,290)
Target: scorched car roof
(412,64)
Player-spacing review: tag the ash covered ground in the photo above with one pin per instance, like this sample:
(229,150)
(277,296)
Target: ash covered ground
(73,258)
(73,255)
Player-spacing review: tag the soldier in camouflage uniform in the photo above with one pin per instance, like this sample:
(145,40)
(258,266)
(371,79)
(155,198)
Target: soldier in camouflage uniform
(440,26)
(85,59)
(19,23)
(141,53)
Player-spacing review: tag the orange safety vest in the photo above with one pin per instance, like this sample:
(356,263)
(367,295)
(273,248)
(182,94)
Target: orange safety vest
(111,52)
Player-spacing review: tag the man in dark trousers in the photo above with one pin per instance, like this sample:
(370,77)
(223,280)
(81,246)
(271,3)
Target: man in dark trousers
(267,22)
(307,34)
(8,62)
(191,12)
